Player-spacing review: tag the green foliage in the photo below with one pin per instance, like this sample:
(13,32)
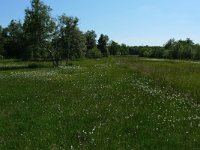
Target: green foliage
(92,50)
(124,49)
(169,44)
(195,52)
(134,50)
(73,41)
(78,46)
(38,27)
(13,40)
(1,42)
(181,49)
(94,53)
(90,39)
(156,52)
(103,45)
(168,54)
(114,48)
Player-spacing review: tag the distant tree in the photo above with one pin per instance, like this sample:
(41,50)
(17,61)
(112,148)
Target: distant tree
(195,53)
(143,51)
(189,41)
(90,39)
(158,52)
(38,27)
(114,48)
(68,25)
(93,53)
(1,42)
(73,40)
(103,45)
(78,45)
(171,49)
(151,51)
(54,47)
(169,44)
(184,48)
(168,54)
(124,49)
(13,40)
(181,49)
(134,50)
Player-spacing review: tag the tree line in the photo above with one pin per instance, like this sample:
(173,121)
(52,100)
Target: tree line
(173,49)
(42,37)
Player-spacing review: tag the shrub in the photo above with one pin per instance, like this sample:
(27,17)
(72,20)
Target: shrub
(94,53)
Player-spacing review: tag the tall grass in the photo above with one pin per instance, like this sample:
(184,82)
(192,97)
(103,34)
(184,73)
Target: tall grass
(111,103)
(178,75)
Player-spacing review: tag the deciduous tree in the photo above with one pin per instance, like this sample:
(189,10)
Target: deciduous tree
(13,40)
(1,42)
(38,26)
(103,45)
(73,40)
(90,39)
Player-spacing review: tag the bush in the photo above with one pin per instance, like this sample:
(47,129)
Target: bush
(168,54)
(94,53)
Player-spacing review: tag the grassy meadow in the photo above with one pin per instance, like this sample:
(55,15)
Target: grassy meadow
(115,103)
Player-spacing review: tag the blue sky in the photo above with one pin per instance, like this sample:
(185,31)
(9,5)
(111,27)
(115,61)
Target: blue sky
(133,22)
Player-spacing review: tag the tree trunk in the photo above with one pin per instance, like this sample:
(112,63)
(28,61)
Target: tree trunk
(54,61)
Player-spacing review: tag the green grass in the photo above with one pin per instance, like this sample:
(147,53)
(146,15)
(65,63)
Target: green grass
(112,103)
(179,75)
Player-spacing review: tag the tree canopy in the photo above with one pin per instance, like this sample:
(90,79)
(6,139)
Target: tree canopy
(38,27)
(103,44)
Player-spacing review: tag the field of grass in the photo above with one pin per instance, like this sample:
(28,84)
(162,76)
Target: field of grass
(116,103)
